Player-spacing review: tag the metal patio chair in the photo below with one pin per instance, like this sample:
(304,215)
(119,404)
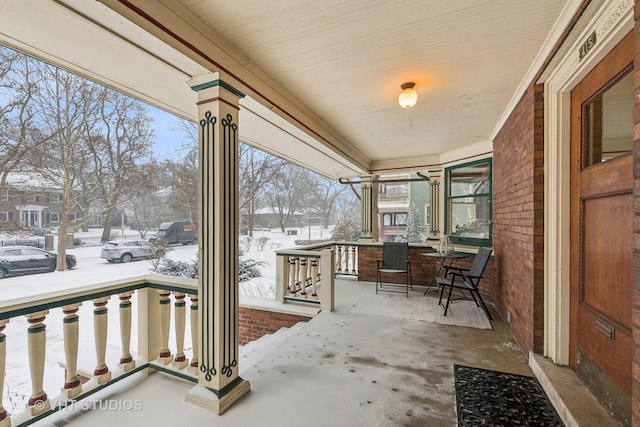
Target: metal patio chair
(465,280)
(395,260)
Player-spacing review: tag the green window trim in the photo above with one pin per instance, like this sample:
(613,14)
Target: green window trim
(472,209)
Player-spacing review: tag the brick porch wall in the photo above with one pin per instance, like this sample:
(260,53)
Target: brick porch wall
(635,369)
(255,323)
(421,269)
(518,212)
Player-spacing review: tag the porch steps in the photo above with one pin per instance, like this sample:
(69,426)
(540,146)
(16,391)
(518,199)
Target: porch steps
(254,351)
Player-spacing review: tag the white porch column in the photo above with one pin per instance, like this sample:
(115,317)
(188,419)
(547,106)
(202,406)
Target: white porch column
(219,385)
(436,204)
(368,209)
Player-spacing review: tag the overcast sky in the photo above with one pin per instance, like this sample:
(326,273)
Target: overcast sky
(168,135)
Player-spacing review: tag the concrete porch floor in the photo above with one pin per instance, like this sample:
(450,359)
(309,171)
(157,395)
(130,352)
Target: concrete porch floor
(341,369)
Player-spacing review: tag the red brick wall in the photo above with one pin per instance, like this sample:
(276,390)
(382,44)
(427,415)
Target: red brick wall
(518,212)
(421,269)
(367,265)
(635,384)
(255,323)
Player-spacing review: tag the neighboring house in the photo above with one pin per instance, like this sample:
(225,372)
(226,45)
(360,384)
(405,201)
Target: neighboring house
(394,204)
(267,218)
(32,200)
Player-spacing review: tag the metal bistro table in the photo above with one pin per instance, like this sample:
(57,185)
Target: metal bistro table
(438,261)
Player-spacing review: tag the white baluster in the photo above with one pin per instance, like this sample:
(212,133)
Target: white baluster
(347,257)
(126,359)
(37,340)
(292,275)
(165,321)
(70,328)
(5,420)
(193,366)
(354,257)
(100,324)
(303,276)
(296,274)
(180,360)
(314,277)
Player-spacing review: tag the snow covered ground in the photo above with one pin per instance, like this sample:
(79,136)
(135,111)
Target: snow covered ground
(92,269)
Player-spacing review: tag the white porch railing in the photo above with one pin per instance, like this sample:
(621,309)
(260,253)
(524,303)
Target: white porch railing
(299,272)
(153,295)
(306,275)
(346,258)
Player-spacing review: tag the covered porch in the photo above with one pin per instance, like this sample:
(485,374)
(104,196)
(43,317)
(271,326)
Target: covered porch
(354,366)
(317,83)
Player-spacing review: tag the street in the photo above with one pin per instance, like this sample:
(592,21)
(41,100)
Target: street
(90,269)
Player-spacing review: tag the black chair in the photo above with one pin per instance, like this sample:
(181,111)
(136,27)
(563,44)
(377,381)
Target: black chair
(395,260)
(466,280)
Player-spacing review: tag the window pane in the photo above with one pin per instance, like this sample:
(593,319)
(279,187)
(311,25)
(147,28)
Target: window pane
(469,180)
(610,122)
(470,217)
(401,219)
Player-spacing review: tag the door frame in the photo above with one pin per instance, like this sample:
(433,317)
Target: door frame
(610,24)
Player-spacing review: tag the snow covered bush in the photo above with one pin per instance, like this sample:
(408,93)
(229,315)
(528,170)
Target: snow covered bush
(261,242)
(346,230)
(169,267)
(248,268)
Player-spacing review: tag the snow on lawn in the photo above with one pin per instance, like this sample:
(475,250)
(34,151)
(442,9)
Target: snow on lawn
(92,269)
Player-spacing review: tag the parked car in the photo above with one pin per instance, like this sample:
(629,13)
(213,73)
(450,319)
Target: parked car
(129,250)
(18,260)
(177,232)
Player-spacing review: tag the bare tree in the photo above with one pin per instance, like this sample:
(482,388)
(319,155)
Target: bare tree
(288,192)
(347,206)
(121,141)
(324,192)
(183,178)
(257,171)
(67,109)
(19,133)
(148,203)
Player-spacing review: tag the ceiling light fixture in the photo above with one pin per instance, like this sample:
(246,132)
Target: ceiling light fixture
(408,97)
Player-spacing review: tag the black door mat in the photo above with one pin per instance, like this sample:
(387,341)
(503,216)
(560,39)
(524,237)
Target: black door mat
(491,398)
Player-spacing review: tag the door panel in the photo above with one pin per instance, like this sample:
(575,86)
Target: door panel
(602,219)
(606,262)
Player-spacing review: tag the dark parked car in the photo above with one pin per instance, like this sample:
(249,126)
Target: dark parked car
(17,260)
(128,250)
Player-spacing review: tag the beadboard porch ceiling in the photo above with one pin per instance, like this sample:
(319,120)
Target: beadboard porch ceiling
(321,78)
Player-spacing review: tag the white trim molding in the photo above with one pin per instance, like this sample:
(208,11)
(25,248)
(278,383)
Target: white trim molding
(610,23)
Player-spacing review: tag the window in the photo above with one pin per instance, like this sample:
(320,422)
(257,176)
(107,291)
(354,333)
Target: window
(54,217)
(609,122)
(393,191)
(468,203)
(395,219)
(55,197)
(4,216)
(427,215)
(73,216)
(31,197)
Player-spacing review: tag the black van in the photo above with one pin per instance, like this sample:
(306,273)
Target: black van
(177,232)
